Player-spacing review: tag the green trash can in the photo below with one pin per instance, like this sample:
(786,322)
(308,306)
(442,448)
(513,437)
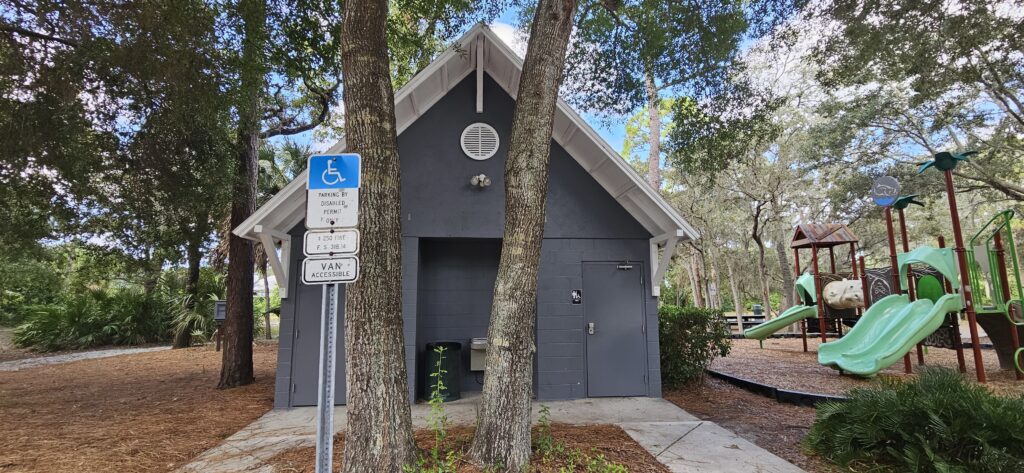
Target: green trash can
(451,370)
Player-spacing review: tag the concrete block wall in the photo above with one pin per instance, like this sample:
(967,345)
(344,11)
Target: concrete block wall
(561,337)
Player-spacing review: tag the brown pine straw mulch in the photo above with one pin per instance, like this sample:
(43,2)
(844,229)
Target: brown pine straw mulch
(783,363)
(608,440)
(144,412)
(776,427)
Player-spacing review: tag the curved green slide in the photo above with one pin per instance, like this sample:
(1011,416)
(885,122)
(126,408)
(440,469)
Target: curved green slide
(789,316)
(886,332)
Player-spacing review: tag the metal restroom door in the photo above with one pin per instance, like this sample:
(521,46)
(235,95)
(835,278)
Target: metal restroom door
(613,309)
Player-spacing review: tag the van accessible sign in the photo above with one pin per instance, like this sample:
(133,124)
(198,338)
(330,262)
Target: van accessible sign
(332,199)
(330,270)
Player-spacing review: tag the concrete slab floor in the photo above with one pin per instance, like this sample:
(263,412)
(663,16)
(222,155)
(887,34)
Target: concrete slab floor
(704,447)
(662,428)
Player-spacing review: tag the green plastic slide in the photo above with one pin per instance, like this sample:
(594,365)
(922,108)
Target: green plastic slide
(886,332)
(789,316)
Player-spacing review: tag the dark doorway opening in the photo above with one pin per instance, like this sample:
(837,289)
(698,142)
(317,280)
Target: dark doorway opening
(455,291)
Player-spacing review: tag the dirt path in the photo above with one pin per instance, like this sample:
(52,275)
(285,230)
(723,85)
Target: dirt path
(783,363)
(773,426)
(16,365)
(144,412)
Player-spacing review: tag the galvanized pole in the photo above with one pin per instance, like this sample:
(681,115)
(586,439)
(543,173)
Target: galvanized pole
(325,396)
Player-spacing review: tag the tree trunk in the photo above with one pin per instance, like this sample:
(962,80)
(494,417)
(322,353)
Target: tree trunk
(236,367)
(503,427)
(266,303)
(734,287)
(183,339)
(786,271)
(716,298)
(654,138)
(379,434)
(694,285)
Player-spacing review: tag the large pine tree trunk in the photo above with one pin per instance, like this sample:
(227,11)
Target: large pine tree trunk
(379,430)
(654,138)
(503,427)
(236,366)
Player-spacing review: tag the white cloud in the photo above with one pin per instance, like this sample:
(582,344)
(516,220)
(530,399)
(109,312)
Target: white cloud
(512,36)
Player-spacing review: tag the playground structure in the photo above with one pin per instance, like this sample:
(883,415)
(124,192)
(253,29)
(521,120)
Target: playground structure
(906,306)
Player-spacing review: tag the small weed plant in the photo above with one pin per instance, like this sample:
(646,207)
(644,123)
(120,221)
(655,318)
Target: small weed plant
(440,459)
(936,423)
(574,460)
(690,339)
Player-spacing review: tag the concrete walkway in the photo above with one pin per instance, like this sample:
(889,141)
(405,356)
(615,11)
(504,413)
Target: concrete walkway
(17,365)
(676,438)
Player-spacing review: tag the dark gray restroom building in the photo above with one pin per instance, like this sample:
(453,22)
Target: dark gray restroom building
(607,239)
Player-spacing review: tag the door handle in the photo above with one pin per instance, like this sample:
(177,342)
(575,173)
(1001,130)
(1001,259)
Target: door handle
(590,328)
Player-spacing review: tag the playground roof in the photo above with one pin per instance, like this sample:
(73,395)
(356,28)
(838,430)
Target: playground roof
(822,235)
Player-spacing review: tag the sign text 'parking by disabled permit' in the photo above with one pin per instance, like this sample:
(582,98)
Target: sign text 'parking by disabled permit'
(332,199)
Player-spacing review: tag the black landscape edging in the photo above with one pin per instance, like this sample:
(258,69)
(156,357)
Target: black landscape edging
(796,398)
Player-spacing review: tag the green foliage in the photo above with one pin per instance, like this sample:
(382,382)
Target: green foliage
(936,423)
(441,459)
(690,338)
(96,318)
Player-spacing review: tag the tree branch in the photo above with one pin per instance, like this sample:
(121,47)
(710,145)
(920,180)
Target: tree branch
(10,29)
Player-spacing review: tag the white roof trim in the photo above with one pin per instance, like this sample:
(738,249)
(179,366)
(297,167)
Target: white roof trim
(286,209)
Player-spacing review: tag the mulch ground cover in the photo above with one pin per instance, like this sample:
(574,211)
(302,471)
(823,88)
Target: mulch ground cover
(143,412)
(783,363)
(591,440)
(776,427)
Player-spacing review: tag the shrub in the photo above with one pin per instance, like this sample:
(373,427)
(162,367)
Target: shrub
(936,423)
(690,338)
(96,318)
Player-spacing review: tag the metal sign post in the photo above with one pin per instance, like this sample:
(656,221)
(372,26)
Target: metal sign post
(331,247)
(325,396)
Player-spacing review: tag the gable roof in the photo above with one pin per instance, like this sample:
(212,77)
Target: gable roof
(822,235)
(481,48)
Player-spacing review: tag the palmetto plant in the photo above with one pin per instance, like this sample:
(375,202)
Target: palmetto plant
(936,423)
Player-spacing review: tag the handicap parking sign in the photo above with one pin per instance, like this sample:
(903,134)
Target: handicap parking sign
(336,171)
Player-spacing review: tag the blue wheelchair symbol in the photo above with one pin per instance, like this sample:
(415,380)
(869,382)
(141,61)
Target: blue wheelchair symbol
(340,171)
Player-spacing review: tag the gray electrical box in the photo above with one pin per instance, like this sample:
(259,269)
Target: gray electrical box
(220,311)
(477,354)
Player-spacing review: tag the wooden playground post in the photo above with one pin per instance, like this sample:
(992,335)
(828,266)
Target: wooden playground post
(958,342)
(1005,289)
(911,289)
(818,293)
(965,288)
(832,260)
(803,322)
(895,272)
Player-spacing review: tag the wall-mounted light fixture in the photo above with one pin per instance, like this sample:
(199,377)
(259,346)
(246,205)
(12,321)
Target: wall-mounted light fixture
(480,180)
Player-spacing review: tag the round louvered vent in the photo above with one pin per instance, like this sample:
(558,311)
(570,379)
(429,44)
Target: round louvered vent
(479,141)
